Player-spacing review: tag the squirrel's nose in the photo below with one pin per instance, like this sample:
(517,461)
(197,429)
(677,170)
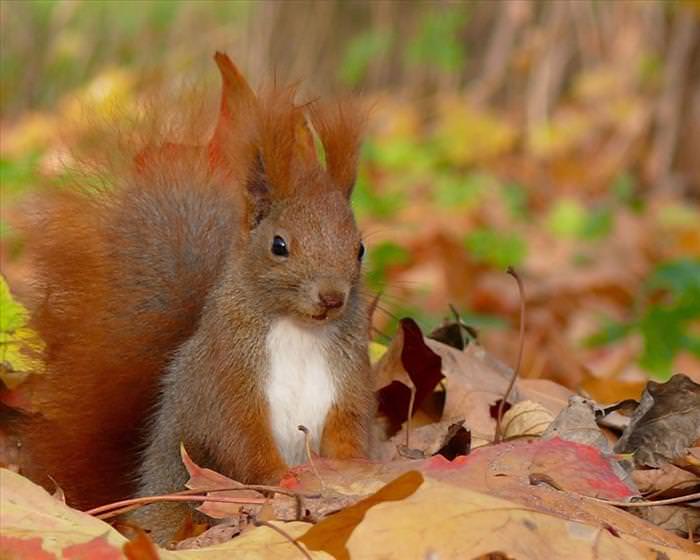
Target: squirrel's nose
(331,300)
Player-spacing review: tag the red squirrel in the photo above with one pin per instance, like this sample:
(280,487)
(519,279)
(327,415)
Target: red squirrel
(210,296)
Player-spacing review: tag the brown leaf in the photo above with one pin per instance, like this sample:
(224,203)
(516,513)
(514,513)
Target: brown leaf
(577,423)
(474,380)
(690,461)
(665,424)
(454,334)
(202,478)
(217,534)
(549,394)
(457,443)
(677,519)
(407,362)
(448,438)
(667,481)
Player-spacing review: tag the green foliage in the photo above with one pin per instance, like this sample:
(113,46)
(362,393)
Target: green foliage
(19,345)
(405,155)
(381,257)
(569,218)
(610,332)
(669,307)
(466,135)
(16,174)
(457,191)
(437,41)
(13,315)
(516,198)
(498,249)
(624,191)
(360,52)
(366,201)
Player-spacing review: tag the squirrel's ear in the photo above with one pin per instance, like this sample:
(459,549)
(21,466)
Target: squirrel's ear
(286,143)
(238,102)
(340,127)
(257,196)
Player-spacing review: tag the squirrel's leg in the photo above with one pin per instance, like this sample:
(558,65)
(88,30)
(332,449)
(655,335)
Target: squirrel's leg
(345,435)
(162,472)
(247,451)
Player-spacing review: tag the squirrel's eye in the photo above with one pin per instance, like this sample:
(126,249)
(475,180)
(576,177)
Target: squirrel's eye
(361,252)
(279,246)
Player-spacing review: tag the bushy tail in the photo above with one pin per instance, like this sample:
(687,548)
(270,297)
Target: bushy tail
(122,280)
(122,274)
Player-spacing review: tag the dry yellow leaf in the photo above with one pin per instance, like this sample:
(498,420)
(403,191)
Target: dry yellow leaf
(441,521)
(526,418)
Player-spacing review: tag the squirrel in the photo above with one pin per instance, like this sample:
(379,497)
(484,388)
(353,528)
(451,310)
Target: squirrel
(210,296)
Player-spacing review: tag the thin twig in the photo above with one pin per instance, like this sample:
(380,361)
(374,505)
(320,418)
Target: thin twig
(286,535)
(307,444)
(650,503)
(299,497)
(521,289)
(146,500)
(411,403)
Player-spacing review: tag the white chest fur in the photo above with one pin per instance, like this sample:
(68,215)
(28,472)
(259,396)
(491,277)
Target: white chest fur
(299,389)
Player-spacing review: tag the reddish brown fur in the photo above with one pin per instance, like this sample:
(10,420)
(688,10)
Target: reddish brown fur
(124,273)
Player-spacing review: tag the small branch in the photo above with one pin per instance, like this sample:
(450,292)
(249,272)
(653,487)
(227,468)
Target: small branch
(287,536)
(411,403)
(521,290)
(102,510)
(650,503)
(299,497)
(307,444)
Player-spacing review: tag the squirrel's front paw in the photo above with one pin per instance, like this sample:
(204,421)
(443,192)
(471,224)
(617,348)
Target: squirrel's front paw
(274,476)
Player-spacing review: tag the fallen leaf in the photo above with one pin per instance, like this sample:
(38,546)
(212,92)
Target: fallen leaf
(217,534)
(665,482)
(665,424)
(677,519)
(28,511)
(332,534)
(609,390)
(473,380)
(474,523)
(577,423)
(140,547)
(16,548)
(526,418)
(454,334)
(202,478)
(408,362)
(426,440)
(551,395)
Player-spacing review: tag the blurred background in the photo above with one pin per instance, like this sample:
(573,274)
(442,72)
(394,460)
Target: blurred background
(560,137)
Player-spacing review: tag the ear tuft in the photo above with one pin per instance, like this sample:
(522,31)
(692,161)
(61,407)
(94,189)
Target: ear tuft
(286,144)
(238,103)
(340,126)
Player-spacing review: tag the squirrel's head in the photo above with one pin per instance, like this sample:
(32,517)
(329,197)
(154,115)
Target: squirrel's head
(300,248)
(305,257)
